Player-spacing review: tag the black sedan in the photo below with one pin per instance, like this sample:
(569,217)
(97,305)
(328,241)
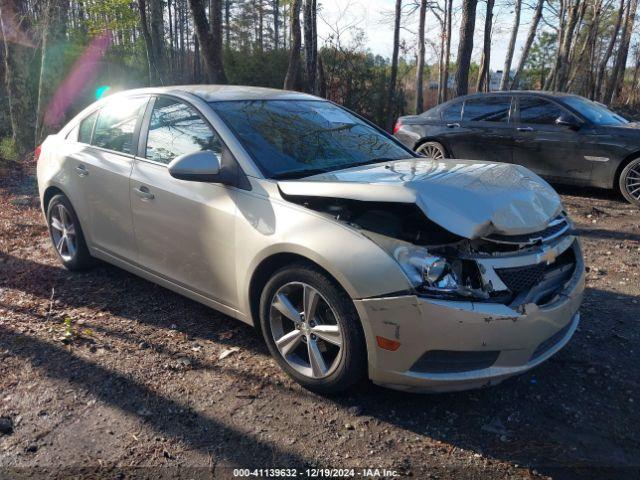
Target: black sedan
(564,138)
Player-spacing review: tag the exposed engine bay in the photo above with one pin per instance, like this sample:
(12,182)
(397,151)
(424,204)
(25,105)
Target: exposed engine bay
(509,269)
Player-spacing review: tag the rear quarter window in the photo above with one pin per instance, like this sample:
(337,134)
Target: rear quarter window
(452,113)
(86,128)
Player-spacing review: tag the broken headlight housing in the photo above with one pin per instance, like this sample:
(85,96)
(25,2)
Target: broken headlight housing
(432,272)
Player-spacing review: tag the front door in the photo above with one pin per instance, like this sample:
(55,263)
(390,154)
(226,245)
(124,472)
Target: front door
(185,231)
(553,151)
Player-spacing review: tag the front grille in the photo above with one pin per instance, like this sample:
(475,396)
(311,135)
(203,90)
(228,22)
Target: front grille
(451,361)
(550,342)
(522,279)
(557,227)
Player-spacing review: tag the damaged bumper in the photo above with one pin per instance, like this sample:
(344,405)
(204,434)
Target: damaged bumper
(458,345)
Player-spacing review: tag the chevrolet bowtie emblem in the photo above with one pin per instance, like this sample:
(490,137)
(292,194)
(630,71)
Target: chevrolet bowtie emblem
(548,255)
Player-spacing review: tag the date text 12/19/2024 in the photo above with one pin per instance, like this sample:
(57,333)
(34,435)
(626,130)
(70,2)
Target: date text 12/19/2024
(315,473)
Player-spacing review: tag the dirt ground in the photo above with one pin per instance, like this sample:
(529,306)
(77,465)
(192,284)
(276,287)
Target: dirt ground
(103,374)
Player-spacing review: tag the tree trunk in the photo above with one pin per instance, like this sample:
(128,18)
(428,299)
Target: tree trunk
(227,23)
(151,60)
(391,94)
(420,62)
(617,74)
(157,39)
(506,69)
(276,24)
(310,44)
(607,54)
(447,53)
(465,46)
(49,116)
(484,75)
(562,59)
(210,39)
(443,35)
(291,80)
(17,52)
(535,21)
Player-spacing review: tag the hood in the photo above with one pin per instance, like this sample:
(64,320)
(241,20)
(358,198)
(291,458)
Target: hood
(469,198)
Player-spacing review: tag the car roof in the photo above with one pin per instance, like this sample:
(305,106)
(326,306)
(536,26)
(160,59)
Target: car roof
(214,93)
(538,93)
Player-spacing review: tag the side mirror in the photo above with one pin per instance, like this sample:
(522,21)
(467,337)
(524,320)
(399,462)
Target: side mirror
(203,166)
(568,121)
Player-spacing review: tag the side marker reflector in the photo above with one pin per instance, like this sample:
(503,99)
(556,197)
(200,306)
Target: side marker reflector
(388,344)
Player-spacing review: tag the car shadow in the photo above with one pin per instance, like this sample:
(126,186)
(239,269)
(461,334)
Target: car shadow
(571,417)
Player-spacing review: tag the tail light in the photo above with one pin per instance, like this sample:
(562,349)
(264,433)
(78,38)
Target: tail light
(397,126)
(37,152)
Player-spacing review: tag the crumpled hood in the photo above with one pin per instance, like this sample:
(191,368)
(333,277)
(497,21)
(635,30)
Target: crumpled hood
(469,198)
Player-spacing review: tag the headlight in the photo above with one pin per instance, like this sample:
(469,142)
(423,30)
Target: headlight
(422,268)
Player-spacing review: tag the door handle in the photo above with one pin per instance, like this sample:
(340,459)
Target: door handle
(82,171)
(144,193)
(524,129)
(453,125)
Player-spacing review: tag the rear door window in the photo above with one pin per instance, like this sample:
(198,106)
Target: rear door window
(540,111)
(116,124)
(487,109)
(452,113)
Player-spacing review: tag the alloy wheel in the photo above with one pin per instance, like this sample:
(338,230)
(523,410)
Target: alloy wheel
(306,330)
(632,181)
(431,150)
(63,232)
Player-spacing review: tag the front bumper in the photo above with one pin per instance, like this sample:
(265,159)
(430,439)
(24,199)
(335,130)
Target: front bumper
(518,339)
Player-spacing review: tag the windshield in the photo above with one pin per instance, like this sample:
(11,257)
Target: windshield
(297,138)
(594,112)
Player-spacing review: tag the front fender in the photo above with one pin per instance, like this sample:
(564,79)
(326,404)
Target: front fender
(267,226)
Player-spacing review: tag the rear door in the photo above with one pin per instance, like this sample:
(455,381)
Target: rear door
(485,131)
(550,150)
(185,231)
(103,165)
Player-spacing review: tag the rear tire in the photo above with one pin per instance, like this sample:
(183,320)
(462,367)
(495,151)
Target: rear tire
(325,353)
(629,182)
(432,150)
(66,234)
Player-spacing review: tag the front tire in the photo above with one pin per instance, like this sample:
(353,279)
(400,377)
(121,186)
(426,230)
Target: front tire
(432,150)
(629,182)
(312,329)
(66,234)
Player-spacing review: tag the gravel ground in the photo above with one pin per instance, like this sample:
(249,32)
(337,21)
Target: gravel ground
(103,374)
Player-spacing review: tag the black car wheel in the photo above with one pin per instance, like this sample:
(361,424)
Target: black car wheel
(432,150)
(66,234)
(312,329)
(630,182)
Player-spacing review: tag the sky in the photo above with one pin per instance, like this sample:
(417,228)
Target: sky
(375,19)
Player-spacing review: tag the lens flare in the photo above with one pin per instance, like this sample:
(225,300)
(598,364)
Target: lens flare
(102,91)
(83,72)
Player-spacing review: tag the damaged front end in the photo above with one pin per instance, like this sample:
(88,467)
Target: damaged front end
(513,270)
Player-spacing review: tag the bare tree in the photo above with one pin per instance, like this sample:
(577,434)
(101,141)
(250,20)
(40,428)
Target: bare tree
(506,69)
(600,74)
(276,24)
(157,38)
(420,62)
(151,59)
(291,80)
(485,64)
(311,44)
(391,94)
(443,91)
(619,67)
(565,39)
(209,38)
(535,21)
(465,45)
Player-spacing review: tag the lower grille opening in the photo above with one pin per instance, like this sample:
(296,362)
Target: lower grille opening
(450,361)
